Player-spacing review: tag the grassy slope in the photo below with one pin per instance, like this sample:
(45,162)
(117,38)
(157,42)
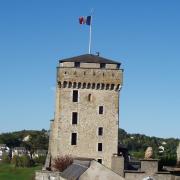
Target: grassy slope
(8,171)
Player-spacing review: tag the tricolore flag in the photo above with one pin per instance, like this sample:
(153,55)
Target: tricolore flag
(85,20)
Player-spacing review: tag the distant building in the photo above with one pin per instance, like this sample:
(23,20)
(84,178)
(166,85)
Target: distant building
(38,153)
(4,150)
(19,151)
(161,149)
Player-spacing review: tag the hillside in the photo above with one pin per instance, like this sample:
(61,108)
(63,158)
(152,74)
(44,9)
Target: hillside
(30,139)
(135,143)
(164,148)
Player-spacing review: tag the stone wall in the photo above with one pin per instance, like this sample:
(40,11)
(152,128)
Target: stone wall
(103,86)
(48,175)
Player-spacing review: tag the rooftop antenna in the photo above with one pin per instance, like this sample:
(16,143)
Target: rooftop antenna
(97,53)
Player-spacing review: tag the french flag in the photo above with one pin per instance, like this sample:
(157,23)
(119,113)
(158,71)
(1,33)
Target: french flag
(85,20)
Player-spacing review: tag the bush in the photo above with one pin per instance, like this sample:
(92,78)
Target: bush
(5,158)
(62,162)
(138,155)
(15,161)
(40,160)
(22,161)
(169,160)
(25,161)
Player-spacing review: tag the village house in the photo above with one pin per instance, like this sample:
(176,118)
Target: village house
(39,153)
(4,150)
(19,151)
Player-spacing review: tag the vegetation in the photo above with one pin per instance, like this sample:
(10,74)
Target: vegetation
(37,139)
(6,158)
(40,160)
(22,161)
(8,171)
(62,162)
(137,144)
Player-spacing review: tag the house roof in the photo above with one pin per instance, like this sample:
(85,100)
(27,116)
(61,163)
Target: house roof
(2,145)
(74,171)
(41,151)
(19,148)
(90,58)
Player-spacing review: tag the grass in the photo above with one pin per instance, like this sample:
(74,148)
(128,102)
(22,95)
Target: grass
(9,172)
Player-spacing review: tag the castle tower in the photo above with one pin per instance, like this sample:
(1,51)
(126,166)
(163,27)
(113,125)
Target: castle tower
(87,108)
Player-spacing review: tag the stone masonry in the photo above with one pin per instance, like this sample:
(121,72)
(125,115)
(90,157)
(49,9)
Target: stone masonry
(87,108)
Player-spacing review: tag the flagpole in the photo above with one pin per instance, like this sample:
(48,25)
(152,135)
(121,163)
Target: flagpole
(90,31)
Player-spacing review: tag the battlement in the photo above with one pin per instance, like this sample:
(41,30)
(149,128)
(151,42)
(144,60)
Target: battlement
(102,79)
(97,86)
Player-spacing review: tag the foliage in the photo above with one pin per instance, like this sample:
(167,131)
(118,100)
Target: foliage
(38,139)
(138,154)
(62,162)
(22,161)
(8,171)
(40,159)
(137,144)
(5,158)
(168,160)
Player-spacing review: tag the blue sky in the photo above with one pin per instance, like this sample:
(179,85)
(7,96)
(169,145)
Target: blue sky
(144,35)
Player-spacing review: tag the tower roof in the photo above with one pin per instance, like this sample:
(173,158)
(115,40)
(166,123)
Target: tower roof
(90,58)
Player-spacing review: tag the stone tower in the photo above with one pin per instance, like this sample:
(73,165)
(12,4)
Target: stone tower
(87,108)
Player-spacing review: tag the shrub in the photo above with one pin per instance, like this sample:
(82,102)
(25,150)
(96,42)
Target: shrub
(40,160)
(5,158)
(15,161)
(25,161)
(169,160)
(62,162)
(22,161)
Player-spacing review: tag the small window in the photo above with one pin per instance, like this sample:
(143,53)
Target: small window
(90,97)
(77,64)
(99,161)
(99,146)
(100,131)
(118,66)
(102,65)
(100,109)
(73,138)
(74,117)
(75,96)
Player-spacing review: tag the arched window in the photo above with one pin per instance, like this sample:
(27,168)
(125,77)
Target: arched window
(64,84)
(102,86)
(74,85)
(84,85)
(118,86)
(59,84)
(112,86)
(107,86)
(79,85)
(89,86)
(98,86)
(70,85)
(93,85)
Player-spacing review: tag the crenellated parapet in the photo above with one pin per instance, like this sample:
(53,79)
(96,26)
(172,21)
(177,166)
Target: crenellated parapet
(85,85)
